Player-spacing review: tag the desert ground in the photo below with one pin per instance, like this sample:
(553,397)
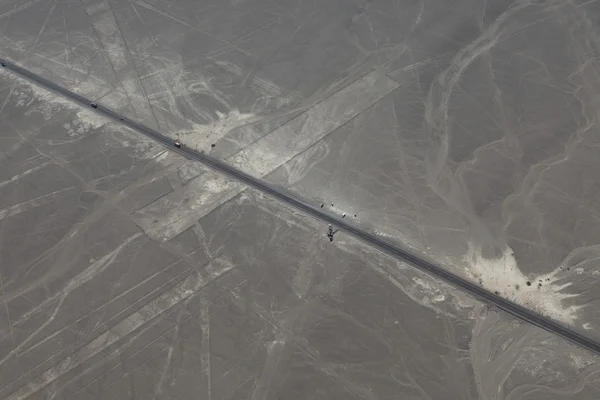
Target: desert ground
(463,130)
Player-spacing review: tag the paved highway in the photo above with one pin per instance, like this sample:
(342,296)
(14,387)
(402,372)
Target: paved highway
(316,211)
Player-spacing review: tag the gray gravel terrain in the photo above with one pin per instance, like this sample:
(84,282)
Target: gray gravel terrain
(250,301)
(464,130)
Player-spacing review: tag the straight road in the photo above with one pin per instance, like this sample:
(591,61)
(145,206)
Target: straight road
(315,210)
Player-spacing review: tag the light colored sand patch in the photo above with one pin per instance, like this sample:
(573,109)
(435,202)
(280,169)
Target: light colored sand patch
(432,294)
(141,147)
(423,289)
(299,166)
(108,31)
(267,154)
(49,105)
(190,170)
(396,237)
(91,88)
(280,146)
(266,86)
(174,213)
(544,296)
(37,100)
(161,155)
(580,362)
(534,367)
(85,121)
(428,292)
(178,90)
(202,136)
(95,8)
(229,67)
(440,297)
